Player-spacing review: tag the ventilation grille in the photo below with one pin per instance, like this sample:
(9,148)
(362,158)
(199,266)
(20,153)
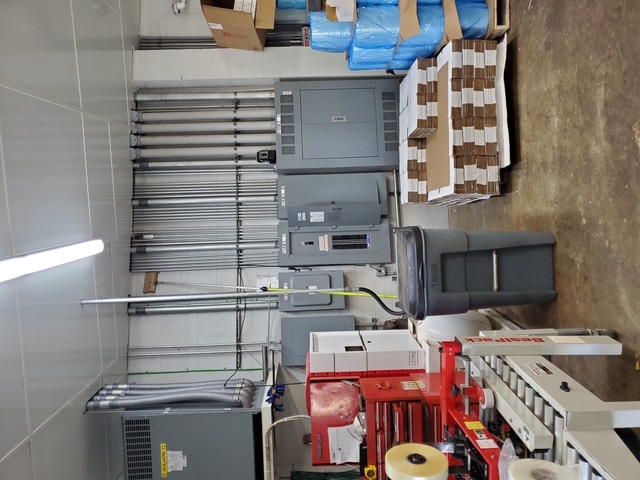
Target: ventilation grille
(350,242)
(287,128)
(390,117)
(137,438)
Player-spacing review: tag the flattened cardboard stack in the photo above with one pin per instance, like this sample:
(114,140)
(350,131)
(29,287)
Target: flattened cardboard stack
(464,164)
(418,119)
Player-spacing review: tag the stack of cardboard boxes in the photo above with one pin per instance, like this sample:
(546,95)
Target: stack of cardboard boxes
(460,126)
(418,119)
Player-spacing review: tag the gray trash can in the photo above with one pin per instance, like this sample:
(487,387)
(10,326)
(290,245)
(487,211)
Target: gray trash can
(442,272)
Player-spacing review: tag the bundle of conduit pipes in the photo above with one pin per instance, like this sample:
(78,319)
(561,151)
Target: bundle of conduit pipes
(239,393)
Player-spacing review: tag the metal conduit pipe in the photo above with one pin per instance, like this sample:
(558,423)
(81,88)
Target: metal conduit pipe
(197,152)
(220,114)
(204,200)
(209,127)
(220,139)
(203,186)
(188,354)
(156,386)
(235,95)
(197,309)
(193,259)
(244,393)
(178,267)
(151,400)
(111,390)
(206,345)
(206,247)
(204,296)
(168,167)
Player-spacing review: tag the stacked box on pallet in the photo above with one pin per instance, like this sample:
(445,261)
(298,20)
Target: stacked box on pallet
(471,92)
(419,98)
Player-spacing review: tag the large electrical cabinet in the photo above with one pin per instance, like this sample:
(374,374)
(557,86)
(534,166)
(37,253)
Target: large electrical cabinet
(335,219)
(192,444)
(337,125)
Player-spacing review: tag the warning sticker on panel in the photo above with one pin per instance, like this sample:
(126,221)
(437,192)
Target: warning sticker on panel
(177,461)
(480,434)
(539,369)
(412,385)
(302,216)
(164,464)
(484,444)
(474,425)
(216,26)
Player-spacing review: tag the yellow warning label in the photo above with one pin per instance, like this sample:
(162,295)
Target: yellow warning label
(163,460)
(474,425)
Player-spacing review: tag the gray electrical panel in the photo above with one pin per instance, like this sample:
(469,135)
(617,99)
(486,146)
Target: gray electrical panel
(337,126)
(316,280)
(357,189)
(335,219)
(192,444)
(357,244)
(296,330)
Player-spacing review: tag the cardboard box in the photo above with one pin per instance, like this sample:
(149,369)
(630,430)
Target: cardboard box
(490,59)
(491,136)
(480,145)
(499,22)
(467,97)
(478,58)
(233,29)
(468,59)
(423,195)
(478,98)
(490,107)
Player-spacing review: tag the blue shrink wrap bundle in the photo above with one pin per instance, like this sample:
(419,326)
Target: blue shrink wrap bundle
(474,18)
(377,27)
(326,36)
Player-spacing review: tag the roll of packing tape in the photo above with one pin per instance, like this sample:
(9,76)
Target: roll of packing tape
(486,398)
(414,461)
(530,469)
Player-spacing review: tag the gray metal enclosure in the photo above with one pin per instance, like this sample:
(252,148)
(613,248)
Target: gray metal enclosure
(345,126)
(192,444)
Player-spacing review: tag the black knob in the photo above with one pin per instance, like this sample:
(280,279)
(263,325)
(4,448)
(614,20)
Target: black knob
(564,386)
(455,390)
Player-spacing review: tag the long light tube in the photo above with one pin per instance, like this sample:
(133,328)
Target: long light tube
(36,262)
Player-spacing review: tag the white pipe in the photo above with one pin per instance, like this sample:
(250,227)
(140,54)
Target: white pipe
(198,152)
(221,139)
(192,127)
(267,437)
(221,114)
(202,200)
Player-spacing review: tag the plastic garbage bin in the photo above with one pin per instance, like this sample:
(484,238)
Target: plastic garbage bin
(443,272)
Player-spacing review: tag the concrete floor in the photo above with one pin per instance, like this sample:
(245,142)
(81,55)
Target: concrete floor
(573,70)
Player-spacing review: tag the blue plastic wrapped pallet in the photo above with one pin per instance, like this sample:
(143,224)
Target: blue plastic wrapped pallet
(292,4)
(474,18)
(377,27)
(326,36)
(431,21)
(374,58)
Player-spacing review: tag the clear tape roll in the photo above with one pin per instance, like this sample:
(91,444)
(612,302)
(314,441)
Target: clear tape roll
(486,399)
(414,461)
(531,469)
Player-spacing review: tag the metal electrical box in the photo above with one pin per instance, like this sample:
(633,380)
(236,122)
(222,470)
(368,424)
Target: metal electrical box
(337,125)
(355,245)
(296,330)
(334,219)
(192,444)
(357,189)
(296,302)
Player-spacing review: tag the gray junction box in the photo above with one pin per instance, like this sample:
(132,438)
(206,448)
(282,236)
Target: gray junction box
(316,280)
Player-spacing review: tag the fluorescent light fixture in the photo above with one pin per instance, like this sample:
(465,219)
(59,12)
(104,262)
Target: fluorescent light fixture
(35,262)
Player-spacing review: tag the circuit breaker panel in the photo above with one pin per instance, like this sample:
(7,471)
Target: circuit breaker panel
(337,125)
(333,219)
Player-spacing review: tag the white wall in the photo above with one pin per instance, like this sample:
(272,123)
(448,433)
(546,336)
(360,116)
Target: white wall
(226,67)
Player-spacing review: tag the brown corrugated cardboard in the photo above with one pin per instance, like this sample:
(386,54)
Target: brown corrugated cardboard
(451,57)
(490,107)
(456,98)
(478,98)
(422,187)
(468,136)
(413,186)
(233,29)
(458,144)
(458,182)
(470,174)
(478,58)
(468,59)
(491,136)
(467,97)
(480,146)
(490,59)
(422,155)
